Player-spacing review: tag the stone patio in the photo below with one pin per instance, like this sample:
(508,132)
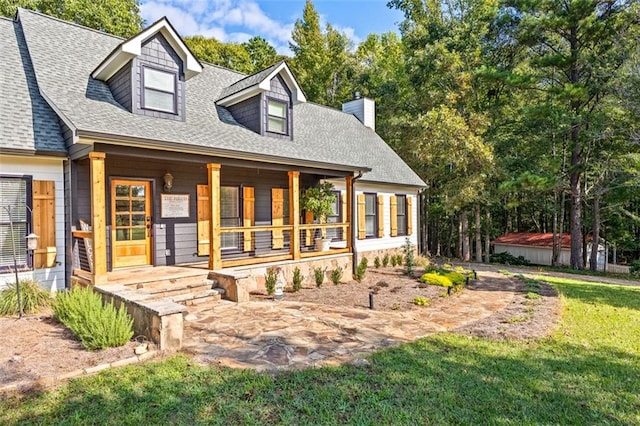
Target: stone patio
(277,335)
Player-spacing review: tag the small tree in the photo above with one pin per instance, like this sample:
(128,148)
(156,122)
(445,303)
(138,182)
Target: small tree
(319,200)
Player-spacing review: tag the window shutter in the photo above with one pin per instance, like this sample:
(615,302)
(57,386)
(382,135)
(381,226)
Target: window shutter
(343,217)
(380,216)
(362,233)
(409,215)
(394,215)
(248,215)
(204,219)
(44,223)
(277,217)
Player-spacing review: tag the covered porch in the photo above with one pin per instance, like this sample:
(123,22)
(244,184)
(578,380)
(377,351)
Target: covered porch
(149,225)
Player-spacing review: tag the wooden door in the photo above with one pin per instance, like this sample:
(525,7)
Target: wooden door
(130,223)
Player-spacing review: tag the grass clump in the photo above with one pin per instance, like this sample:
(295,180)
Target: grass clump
(32,298)
(318,275)
(420,301)
(297,279)
(336,275)
(361,269)
(97,325)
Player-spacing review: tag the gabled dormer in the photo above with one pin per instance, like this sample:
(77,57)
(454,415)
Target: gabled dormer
(263,102)
(147,73)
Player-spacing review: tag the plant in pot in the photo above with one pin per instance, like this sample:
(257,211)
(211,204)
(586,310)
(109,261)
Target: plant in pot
(319,200)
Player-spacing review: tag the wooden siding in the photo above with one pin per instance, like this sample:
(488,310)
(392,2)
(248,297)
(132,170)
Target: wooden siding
(120,86)
(247,113)
(279,91)
(157,52)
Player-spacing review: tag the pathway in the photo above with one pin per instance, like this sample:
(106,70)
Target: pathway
(289,335)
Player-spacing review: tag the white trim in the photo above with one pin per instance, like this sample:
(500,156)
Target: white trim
(133,47)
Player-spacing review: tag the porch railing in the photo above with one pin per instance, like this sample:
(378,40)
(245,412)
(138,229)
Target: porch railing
(82,252)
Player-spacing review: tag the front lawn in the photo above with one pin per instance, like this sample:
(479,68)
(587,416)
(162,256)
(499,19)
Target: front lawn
(588,372)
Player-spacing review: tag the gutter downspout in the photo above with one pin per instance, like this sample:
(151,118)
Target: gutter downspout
(354,211)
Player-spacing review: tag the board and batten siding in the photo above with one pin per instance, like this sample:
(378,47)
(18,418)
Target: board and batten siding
(384,194)
(48,169)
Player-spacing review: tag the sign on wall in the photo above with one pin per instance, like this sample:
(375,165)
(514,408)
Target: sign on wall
(174,205)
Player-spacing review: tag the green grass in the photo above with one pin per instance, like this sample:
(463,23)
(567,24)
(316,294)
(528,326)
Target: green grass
(588,372)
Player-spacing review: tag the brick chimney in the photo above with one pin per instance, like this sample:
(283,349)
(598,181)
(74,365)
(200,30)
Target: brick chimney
(363,108)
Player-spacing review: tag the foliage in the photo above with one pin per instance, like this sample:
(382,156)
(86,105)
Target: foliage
(297,279)
(420,301)
(318,275)
(455,277)
(434,278)
(376,262)
(229,55)
(635,269)
(319,200)
(509,259)
(394,260)
(409,257)
(385,260)
(361,269)
(118,17)
(588,362)
(97,325)
(261,53)
(32,298)
(270,280)
(336,275)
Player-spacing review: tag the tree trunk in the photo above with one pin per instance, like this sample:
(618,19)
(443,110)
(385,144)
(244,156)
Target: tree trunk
(478,234)
(576,219)
(487,238)
(555,251)
(466,246)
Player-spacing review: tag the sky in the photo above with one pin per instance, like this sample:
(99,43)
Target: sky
(239,20)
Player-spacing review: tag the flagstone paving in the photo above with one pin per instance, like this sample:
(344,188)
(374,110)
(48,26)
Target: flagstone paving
(278,335)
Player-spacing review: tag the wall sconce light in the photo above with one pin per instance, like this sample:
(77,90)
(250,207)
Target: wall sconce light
(32,241)
(168,181)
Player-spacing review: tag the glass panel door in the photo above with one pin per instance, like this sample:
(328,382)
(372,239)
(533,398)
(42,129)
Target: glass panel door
(131,223)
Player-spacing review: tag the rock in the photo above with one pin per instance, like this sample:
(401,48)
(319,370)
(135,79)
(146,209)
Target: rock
(360,362)
(140,349)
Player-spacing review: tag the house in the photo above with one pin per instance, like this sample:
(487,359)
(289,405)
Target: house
(158,159)
(537,248)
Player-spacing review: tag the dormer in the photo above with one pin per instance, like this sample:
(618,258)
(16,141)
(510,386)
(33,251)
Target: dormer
(147,73)
(263,102)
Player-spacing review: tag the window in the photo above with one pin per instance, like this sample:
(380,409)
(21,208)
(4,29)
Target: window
(401,214)
(14,194)
(159,90)
(229,215)
(276,116)
(335,217)
(371,215)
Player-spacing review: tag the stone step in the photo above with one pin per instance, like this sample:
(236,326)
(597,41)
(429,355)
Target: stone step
(177,290)
(197,298)
(160,282)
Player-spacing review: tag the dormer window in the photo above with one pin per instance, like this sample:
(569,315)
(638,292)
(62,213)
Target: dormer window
(159,92)
(277,116)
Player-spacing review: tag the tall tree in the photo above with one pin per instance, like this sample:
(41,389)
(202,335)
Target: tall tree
(575,47)
(262,53)
(119,17)
(229,55)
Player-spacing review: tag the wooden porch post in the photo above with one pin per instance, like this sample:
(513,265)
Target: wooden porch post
(294,212)
(349,218)
(213,175)
(98,214)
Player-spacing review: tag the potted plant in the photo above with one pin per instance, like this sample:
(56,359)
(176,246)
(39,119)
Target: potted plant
(319,200)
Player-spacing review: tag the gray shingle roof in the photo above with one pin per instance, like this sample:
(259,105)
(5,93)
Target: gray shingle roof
(64,55)
(26,120)
(248,81)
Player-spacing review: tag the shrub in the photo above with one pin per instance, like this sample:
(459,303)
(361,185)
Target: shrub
(394,261)
(297,279)
(336,275)
(409,257)
(433,278)
(508,259)
(376,262)
(318,275)
(398,259)
(270,280)
(634,269)
(421,301)
(455,277)
(32,298)
(361,269)
(385,260)
(97,326)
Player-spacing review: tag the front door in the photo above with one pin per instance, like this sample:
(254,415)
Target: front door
(130,223)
